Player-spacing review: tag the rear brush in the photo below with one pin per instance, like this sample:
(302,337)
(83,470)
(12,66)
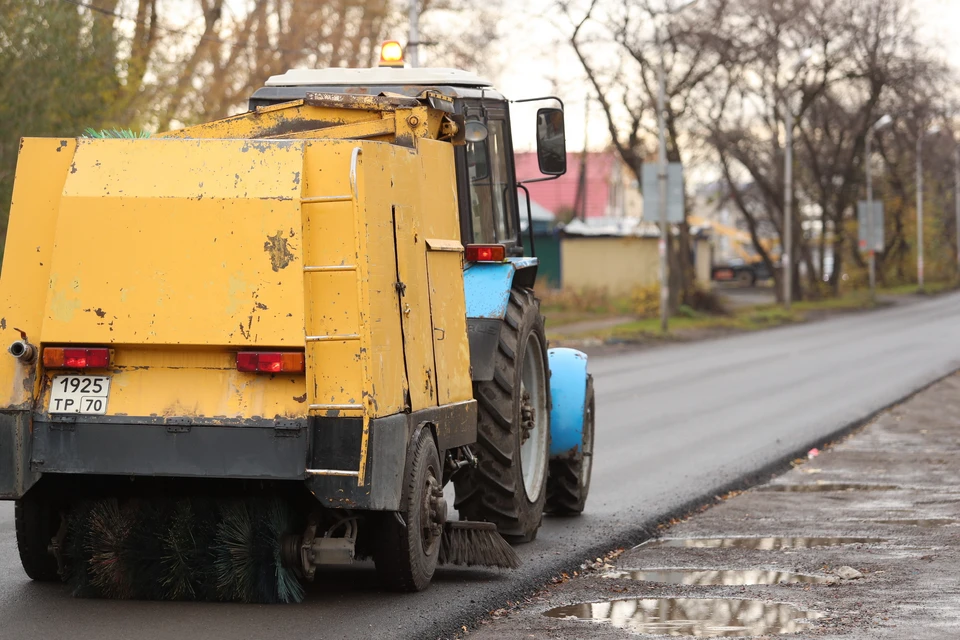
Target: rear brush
(184,549)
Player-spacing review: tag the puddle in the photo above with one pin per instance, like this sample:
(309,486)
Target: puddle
(703,617)
(765,544)
(927,523)
(827,486)
(711,577)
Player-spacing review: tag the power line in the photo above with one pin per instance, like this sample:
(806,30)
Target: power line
(183,31)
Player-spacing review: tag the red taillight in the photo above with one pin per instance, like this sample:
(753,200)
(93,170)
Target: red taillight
(75,358)
(270,362)
(485,253)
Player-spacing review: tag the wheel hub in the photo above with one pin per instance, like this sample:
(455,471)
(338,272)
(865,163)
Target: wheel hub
(528,417)
(433,512)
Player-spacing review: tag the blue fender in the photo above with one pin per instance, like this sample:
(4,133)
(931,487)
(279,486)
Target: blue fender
(568,391)
(486,286)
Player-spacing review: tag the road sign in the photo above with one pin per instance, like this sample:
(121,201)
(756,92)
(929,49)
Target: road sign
(864,225)
(651,192)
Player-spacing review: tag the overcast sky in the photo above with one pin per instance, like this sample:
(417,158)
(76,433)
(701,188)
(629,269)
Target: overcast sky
(530,64)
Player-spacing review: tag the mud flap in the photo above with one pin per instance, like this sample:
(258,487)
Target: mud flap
(16,440)
(568,389)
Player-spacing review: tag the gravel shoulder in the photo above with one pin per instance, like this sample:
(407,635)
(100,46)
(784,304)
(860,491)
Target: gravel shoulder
(897,481)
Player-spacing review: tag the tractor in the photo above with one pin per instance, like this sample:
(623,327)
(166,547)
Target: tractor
(249,349)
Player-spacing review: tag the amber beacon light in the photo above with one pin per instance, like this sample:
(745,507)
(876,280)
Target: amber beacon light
(391,54)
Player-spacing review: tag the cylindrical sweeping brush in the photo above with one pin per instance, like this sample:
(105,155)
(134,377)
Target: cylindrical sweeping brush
(186,549)
(476,544)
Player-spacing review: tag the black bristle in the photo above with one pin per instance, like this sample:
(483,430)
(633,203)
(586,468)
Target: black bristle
(108,547)
(476,544)
(180,557)
(280,521)
(75,556)
(186,549)
(234,562)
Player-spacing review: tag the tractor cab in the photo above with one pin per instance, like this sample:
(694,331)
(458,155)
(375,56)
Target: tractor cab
(486,176)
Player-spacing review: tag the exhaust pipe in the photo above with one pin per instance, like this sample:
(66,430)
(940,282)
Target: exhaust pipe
(23,351)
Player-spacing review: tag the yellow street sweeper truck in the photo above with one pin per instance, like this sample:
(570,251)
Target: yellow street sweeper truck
(248,349)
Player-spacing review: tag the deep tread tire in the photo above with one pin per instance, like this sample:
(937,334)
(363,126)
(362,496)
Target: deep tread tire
(569,481)
(401,560)
(37,522)
(494,491)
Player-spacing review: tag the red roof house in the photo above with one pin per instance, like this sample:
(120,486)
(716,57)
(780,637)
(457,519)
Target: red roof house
(605,184)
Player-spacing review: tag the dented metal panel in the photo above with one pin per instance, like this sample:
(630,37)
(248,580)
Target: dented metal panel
(153,247)
(42,168)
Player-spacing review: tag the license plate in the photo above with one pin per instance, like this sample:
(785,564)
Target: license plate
(80,394)
(724,274)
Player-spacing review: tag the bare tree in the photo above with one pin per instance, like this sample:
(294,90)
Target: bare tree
(616,42)
(867,53)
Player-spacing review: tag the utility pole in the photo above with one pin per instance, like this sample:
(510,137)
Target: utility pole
(413,41)
(871,219)
(787,253)
(662,167)
(662,180)
(920,211)
(956,198)
(787,208)
(920,136)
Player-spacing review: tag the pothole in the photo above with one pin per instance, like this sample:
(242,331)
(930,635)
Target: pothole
(712,577)
(924,523)
(771,543)
(827,486)
(702,617)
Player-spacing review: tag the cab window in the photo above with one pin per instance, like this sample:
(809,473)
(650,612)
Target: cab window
(491,195)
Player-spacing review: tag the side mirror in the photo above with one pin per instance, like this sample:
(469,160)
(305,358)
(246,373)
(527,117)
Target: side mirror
(551,142)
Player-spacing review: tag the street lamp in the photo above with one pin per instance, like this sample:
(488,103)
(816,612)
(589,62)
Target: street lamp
(786,256)
(879,124)
(662,162)
(920,136)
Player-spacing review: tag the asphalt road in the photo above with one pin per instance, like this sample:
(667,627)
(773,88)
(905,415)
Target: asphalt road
(673,425)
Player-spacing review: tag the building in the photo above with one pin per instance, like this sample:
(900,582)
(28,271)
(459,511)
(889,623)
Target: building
(611,189)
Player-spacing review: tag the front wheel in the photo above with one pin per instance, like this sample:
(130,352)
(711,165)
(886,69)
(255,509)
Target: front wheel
(569,481)
(508,487)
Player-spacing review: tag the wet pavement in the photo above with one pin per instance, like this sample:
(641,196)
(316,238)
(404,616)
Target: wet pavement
(675,426)
(702,617)
(867,550)
(719,576)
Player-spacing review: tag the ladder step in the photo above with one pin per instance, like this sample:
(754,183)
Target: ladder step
(325,199)
(327,269)
(335,407)
(332,472)
(341,338)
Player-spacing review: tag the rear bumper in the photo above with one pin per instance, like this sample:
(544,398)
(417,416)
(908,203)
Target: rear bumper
(253,449)
(260,449)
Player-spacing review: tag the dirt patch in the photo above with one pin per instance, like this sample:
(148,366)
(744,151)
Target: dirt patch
(890,578)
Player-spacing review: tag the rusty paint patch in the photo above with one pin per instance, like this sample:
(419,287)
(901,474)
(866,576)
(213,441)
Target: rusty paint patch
(279,251)
(3,323)
(100,312)
(301,399)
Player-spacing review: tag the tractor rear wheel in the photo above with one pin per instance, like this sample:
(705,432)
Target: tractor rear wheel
(508,487)
(408,547)
(569,481)
(37,522)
